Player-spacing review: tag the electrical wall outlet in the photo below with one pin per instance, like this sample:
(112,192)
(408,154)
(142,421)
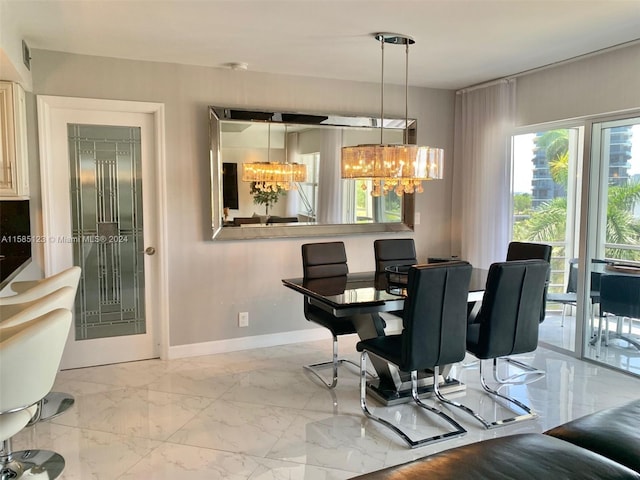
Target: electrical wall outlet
(243,319)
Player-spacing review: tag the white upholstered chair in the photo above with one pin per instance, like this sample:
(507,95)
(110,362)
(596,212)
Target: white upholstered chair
(30,354)
(16,313)
(33,290)
(41,296)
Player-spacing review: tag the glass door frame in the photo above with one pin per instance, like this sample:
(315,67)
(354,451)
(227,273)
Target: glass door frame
(586,210)
(574,195)
(53,113)
(593,215)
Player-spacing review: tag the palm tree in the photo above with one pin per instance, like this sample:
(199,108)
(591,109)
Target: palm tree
(548,221)
(559,169)
(622,227)
(554,142)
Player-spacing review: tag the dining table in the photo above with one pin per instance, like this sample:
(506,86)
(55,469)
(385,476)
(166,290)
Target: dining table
(362,297)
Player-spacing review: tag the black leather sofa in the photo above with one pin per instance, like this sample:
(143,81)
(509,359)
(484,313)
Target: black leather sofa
(601,446)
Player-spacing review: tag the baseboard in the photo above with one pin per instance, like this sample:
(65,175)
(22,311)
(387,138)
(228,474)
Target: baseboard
(246,343)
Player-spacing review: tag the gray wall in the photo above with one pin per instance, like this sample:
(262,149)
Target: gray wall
(210,282)
(595,85)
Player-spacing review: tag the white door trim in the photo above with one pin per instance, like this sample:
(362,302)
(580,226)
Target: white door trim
(46,104)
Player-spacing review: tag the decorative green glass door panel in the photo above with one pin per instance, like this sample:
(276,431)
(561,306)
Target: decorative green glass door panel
(107,229)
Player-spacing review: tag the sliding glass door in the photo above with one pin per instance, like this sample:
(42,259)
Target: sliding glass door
(577,188)
(545,201)
(613,334)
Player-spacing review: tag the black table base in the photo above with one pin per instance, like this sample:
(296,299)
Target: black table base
(391,396)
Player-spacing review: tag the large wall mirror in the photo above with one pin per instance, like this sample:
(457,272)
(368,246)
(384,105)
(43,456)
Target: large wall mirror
(318,203)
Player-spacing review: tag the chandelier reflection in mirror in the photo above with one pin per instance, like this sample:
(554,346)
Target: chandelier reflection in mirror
(274,176)
(400,168)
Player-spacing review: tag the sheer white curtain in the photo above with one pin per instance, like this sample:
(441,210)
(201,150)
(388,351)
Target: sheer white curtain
(483,125)
(329,182)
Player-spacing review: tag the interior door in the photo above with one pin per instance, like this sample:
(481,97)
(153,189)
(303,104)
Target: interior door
(99,200)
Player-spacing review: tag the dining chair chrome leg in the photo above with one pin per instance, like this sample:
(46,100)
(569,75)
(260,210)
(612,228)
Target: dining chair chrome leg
(333,364)
(443,399)
(598,338)
(458,432)
(485,423)
(619,334)
(527,370)
(630,341)
(528,415)
(313,368)
(471,363)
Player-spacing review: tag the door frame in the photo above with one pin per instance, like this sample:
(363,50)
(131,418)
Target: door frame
(47,104)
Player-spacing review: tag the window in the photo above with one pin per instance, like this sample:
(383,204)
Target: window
(308,191)
(544,188)
(618,147)
(545,201)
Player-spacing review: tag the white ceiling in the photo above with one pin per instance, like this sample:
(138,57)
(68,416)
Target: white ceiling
(458,42)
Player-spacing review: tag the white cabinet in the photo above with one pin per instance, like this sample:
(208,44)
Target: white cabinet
(14,167)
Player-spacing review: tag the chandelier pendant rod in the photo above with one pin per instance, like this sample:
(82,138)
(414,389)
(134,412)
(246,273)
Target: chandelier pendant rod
(382,92)
(406,94)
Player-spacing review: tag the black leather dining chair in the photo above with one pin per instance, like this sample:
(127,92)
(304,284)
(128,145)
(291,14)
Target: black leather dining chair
(532,251)
(394,251)
(390,252)
(620,297)
(325,264)
(507,323)
(528,251)
(434,319)
(570,296)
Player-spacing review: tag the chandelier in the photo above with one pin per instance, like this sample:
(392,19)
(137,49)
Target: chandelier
(391,167)
(274,176)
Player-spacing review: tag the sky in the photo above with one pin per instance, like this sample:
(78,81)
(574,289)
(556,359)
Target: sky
(523,153)
(523,168)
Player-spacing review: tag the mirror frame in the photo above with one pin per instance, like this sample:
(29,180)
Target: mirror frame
(218,114)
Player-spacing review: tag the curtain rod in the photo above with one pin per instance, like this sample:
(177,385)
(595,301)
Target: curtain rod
(545,67)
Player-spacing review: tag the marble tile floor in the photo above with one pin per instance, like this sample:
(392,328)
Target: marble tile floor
(617,353)
(256,414)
